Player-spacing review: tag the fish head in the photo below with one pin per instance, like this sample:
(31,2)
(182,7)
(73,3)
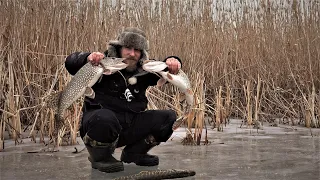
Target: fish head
(153,66)
(111,65)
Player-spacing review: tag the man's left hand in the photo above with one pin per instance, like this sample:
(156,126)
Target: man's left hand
(173,65)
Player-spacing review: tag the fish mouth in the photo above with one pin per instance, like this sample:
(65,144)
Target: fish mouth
(129,59)
(114,68)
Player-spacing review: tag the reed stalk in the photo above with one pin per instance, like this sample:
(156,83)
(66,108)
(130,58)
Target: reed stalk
(228,104)
(2,129)
(200,112)
(218,110)
(318,109)
(257,98)
(276,43)
(247,90)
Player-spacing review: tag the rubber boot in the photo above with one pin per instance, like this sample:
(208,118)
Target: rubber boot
(137,153)
(101,155)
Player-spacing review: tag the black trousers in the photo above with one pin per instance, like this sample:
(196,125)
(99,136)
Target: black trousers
(104,125)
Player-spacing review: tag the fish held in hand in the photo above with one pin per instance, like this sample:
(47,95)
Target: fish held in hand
(154,66)
(81,84)
(179,80)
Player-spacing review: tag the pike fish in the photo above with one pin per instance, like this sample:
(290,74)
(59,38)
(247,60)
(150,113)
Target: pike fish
(179,80)
(159,174)
(154,66)
(82,82)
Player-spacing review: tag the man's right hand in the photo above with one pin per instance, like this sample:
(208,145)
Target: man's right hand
(95,58)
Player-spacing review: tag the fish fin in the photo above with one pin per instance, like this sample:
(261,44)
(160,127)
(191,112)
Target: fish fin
(58,125)
(99,79)
(161,82)
(141,73)
(89,92)
(169,76)
(107,72)
(59,122)
(178,122)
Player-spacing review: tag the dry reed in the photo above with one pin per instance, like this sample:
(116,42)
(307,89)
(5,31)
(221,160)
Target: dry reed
(230,43)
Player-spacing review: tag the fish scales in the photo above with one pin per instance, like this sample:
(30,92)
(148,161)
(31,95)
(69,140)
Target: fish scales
(85,77)
(83,80)
(179,80)
(159,174)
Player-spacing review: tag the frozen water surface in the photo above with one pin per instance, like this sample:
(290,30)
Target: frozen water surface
(236,153)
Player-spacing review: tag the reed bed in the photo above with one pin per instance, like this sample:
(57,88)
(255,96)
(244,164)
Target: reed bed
(255,60)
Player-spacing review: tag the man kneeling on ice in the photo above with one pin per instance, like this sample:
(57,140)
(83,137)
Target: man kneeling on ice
(117,115)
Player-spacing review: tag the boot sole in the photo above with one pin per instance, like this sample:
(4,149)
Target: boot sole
(154,162)
(139,162)
(116,167)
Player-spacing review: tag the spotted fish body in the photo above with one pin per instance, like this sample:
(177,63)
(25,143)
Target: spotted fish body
(82,82)
(159,174)
(179,80)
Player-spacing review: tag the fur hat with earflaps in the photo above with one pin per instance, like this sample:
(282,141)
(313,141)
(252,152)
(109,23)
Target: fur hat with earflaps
(130,37)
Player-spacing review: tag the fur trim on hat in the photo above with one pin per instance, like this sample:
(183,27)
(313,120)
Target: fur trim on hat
(130,37)
(113,52)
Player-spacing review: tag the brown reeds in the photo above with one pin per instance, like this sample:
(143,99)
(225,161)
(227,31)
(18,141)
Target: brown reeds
(253,102)
(257,99)
(229,44)
(196,116)
(318,108)
(223,108)
(219,110)
(247,89)
(311,120)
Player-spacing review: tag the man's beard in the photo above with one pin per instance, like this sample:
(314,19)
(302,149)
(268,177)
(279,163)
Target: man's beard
(132,65)
(131,68)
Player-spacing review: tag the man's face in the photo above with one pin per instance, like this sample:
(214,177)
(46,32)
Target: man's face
(132,55)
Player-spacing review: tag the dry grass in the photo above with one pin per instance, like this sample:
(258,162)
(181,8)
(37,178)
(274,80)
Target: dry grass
(271,50)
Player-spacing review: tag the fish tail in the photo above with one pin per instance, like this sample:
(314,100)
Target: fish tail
(58,122)
(55,103)
(179,122)
(182,119)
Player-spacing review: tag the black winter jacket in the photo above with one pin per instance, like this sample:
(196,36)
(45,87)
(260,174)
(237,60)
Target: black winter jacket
(109,91)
